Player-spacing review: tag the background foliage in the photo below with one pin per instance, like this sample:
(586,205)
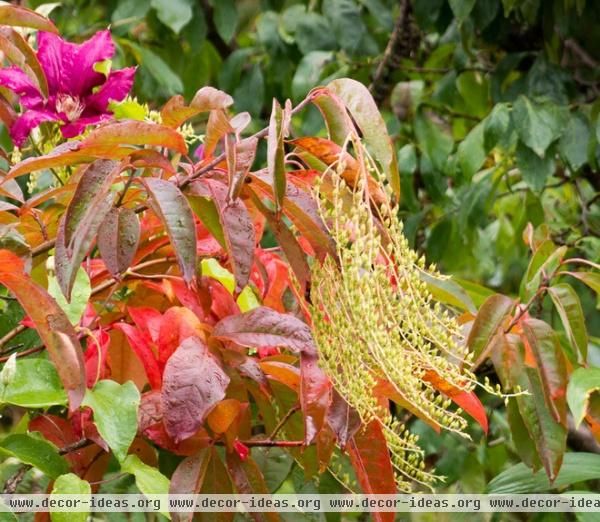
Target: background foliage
(493,110)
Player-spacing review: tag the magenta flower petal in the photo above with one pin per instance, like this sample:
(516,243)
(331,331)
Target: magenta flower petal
(56,57)
(16,80)
(70,130)
(116,88)
(30,119)
(82,77)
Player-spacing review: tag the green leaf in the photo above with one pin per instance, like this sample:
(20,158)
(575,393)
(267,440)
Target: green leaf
(534,170)
(128,110)
(495,126)
(115,413)
(583,382)
(448,292)
(157,68)
(36,451)
(80,293)
(70,484)
(520,436)
(149,480)
(434,142)
(591,279)
(490,317)
(471,153)
(347,23)
(461,8)
(276,152)
(577,467)
(175,14)
(314,33)
(544,262)
(225,18)
(309,72)
(539,124)
(573,144)
(171,206)
(35,384)
(569,308)
(548,435)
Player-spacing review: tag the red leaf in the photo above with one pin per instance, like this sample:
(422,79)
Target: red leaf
(177,324)
(144,353)
(468,401)
(147,320)
(11,263)
(118,239)
(96,358)
(265,327)
(370,459)
(193,383)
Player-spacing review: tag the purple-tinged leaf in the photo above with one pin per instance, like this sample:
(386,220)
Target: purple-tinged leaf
(172,208)
(193,382)
(263,326)
(238,231)
(80,223)
(188,479)
(118,239)
(245,152)
(489,318)
(287,241)
(248,479)
(343,419)
(315,396)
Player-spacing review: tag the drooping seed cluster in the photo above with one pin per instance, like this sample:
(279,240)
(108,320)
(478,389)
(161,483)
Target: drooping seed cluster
(379,332)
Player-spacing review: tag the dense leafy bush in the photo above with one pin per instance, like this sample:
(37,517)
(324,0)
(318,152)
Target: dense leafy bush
(196,281)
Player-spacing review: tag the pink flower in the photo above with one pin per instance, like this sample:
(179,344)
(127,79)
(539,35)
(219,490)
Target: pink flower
(77,94)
